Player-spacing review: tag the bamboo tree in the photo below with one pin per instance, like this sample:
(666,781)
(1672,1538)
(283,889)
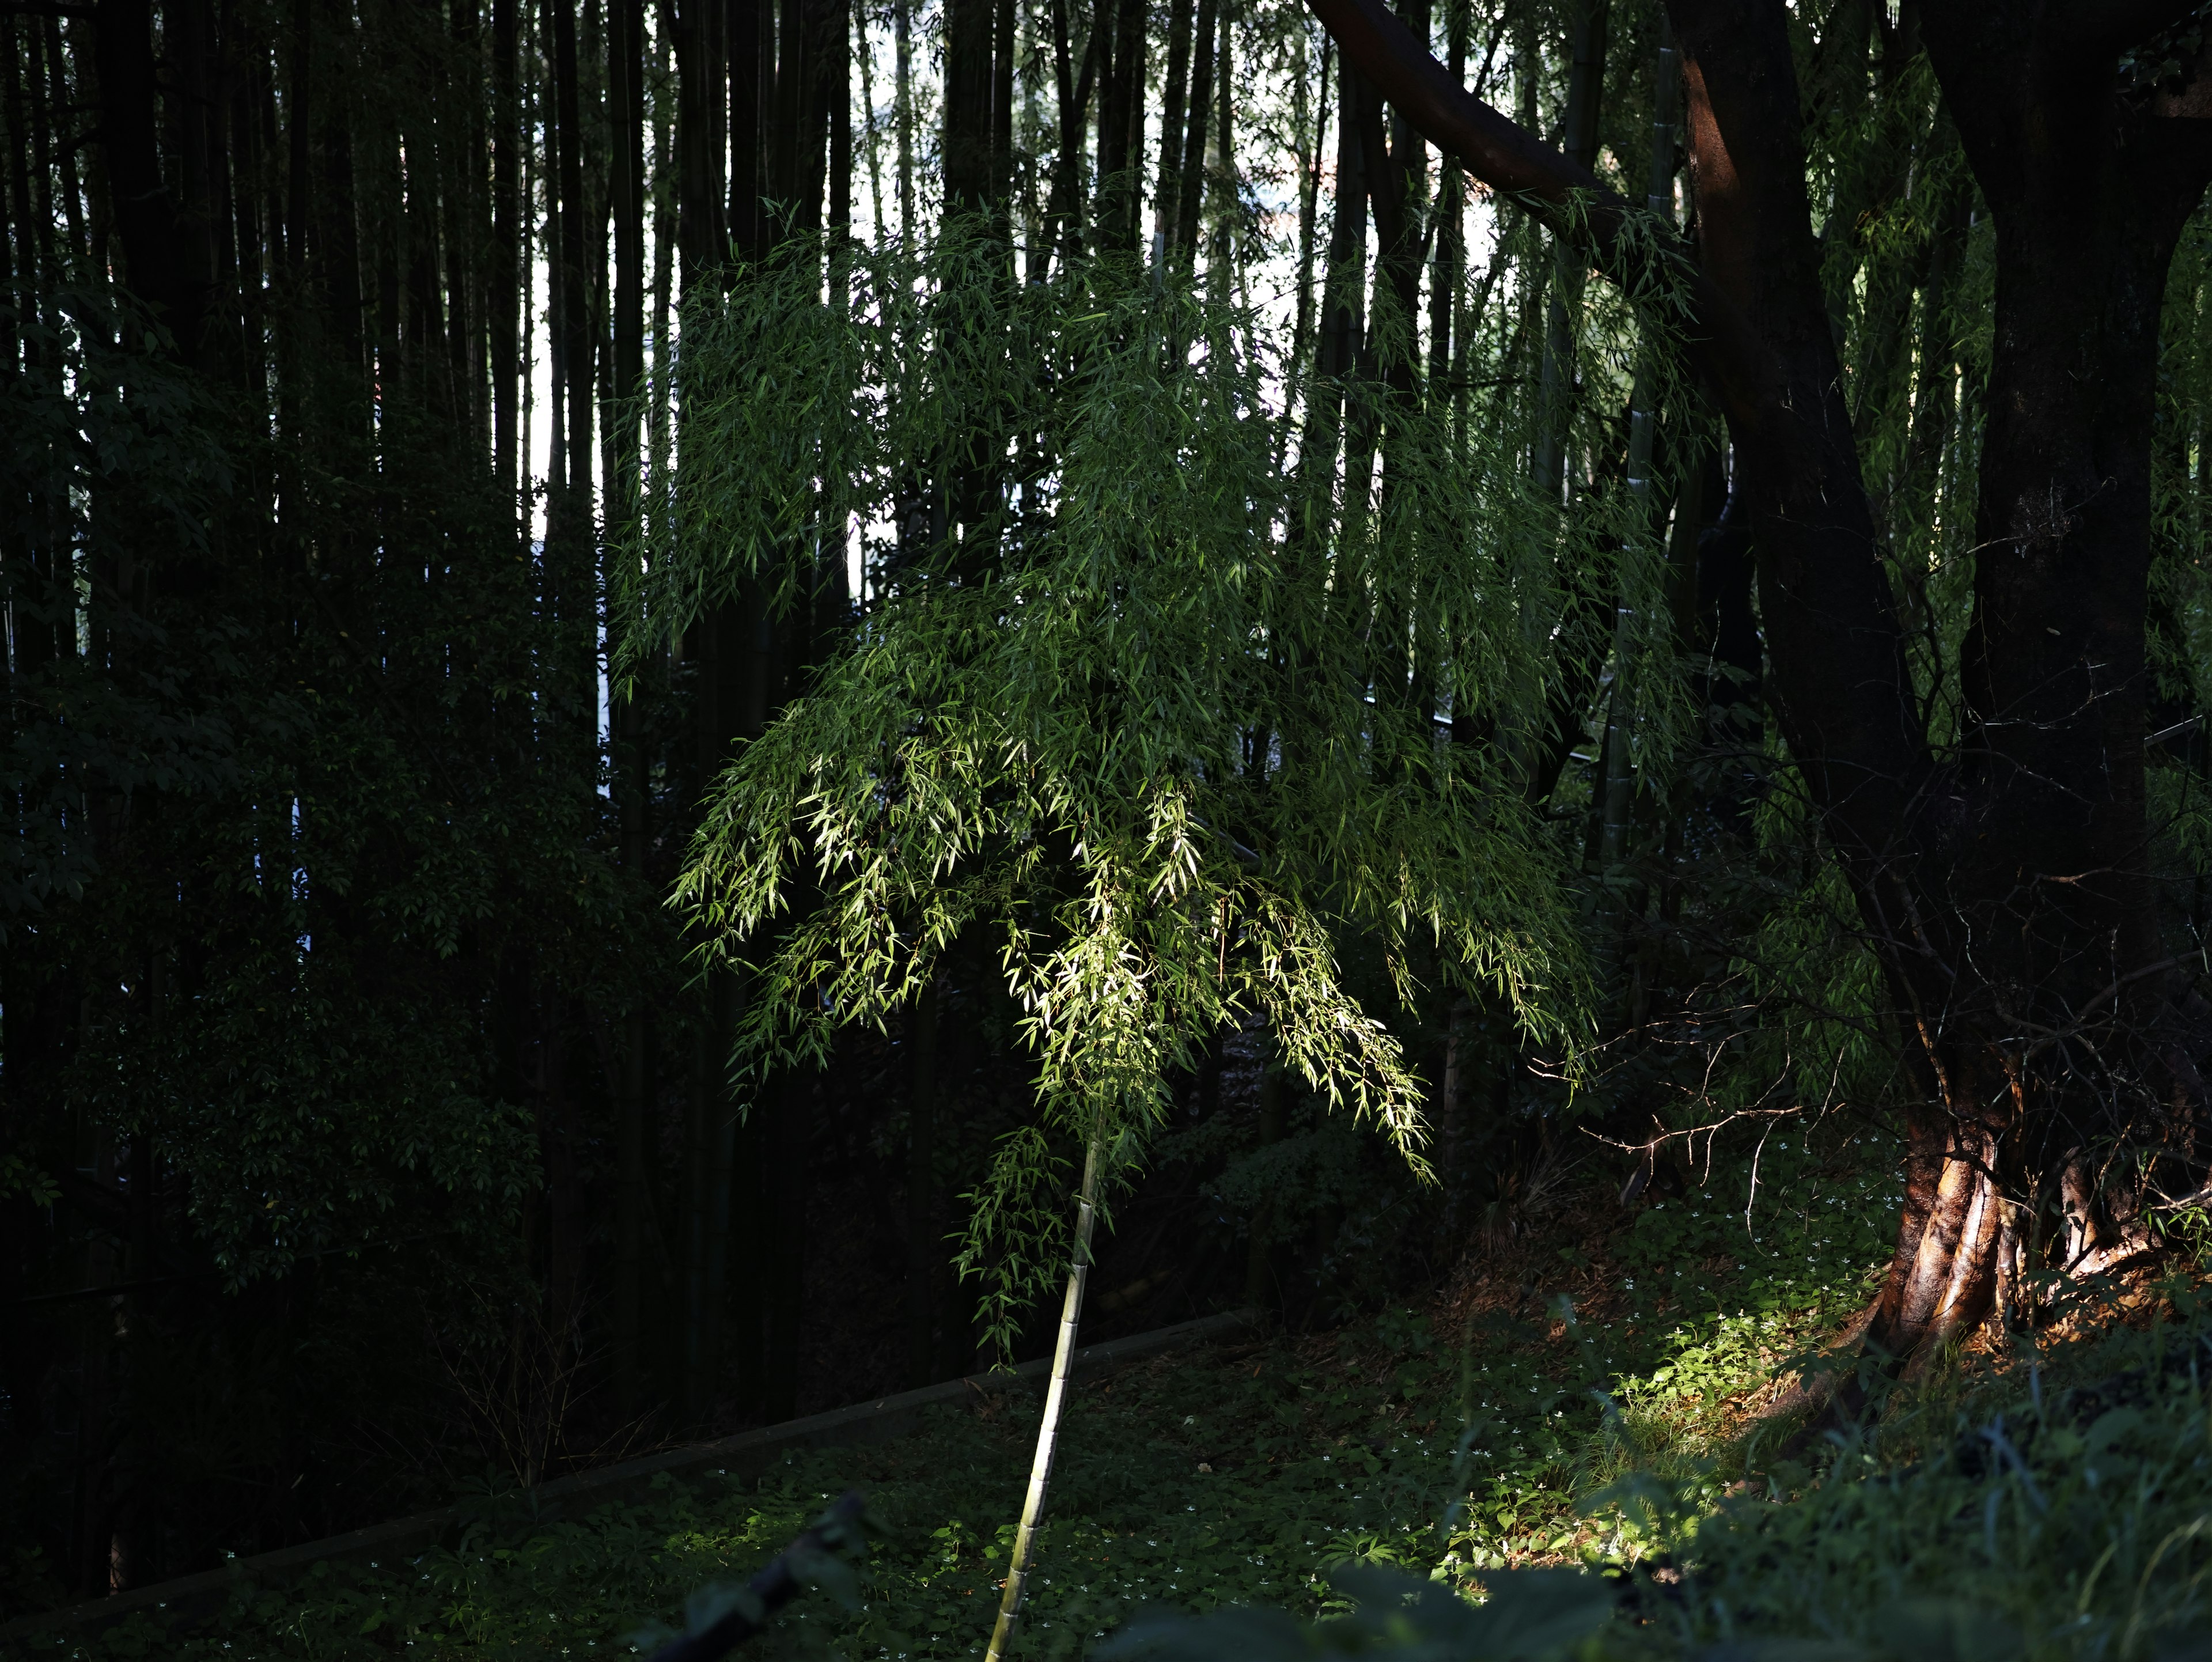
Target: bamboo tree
(1618,778)
(626,66)
(1191,174)
(864,48)
(1055,1399)
(1448,271)
(970,89)
(1169,194)
(1309,109)
(1120,120)
(1072,93)
(903,110)
(1221,175)
(1579,132)
(924,1236)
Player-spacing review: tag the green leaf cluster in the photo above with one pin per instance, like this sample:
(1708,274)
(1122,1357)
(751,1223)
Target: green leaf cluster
(1165,719)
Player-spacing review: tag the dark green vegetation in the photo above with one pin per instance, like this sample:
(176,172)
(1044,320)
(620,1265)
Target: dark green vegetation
(1341,1448)
(663,663)
(1992,1499)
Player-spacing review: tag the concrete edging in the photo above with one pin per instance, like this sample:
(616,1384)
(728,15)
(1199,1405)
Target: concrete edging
(748,1453)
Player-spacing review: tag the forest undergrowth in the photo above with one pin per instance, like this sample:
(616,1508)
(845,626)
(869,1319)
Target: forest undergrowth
(1589,1393)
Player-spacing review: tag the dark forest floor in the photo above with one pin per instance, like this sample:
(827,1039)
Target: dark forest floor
(1582,1393)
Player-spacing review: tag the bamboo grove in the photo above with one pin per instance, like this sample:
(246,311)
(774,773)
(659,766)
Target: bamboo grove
(655,654)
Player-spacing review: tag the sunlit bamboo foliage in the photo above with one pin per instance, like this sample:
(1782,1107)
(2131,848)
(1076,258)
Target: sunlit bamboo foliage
(1161,717)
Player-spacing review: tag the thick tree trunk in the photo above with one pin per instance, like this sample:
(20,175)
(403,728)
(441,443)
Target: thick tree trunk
(2049,1020)
(968,85)
(1120,124)
(2003,877)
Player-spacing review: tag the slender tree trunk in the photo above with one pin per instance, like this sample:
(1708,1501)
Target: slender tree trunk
(1448,270)
(752,83)
(1585,90)
(503,278)
(578,223)
(1065,214)
(625,81)
(1055,1399)
(1120,121)
(699,67)
(863,50)
(1190,177)
(1222,177)
(1002,127)
(1312,117)
(718,646)
(1168,194)
(925,1245)
(1618,784)
(902,112)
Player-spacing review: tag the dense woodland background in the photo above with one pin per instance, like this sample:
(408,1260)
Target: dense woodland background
(379,620)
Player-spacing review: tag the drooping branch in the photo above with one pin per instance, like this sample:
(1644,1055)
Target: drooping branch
(1756,328)
(1635,251)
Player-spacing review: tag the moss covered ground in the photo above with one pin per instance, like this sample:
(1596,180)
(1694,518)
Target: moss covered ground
(1588,1393)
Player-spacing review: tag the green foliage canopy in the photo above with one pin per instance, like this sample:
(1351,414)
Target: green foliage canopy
(1160,714)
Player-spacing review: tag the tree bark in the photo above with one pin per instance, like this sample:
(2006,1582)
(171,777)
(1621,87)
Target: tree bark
(1190,177)
(1578,134)
(2002,882)
(1176,95)
(1056,1398)
(747,55)
(969,81)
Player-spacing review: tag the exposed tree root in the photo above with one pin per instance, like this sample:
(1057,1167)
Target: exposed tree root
(1834,1397)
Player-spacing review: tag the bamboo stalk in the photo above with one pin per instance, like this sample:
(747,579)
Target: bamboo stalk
(1056,1398)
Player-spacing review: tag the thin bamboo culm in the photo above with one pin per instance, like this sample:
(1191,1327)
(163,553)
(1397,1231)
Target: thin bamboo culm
(1056,1396)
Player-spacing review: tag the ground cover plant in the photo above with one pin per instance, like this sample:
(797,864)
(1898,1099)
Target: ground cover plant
(1579,1398)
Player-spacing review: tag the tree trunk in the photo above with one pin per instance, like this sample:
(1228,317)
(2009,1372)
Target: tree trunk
(2074,1036)
(626,96)
(902,108)
(1190,177)
(968,88)
(925,1238)
(1055,1399)
(1447,268)
(1121,120)
(2002,882)
(1176,95)
(746,24)
(1223,172)
(701,92)
(1585,93)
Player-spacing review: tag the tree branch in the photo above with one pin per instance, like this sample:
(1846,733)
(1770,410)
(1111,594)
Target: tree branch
(1568,199)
